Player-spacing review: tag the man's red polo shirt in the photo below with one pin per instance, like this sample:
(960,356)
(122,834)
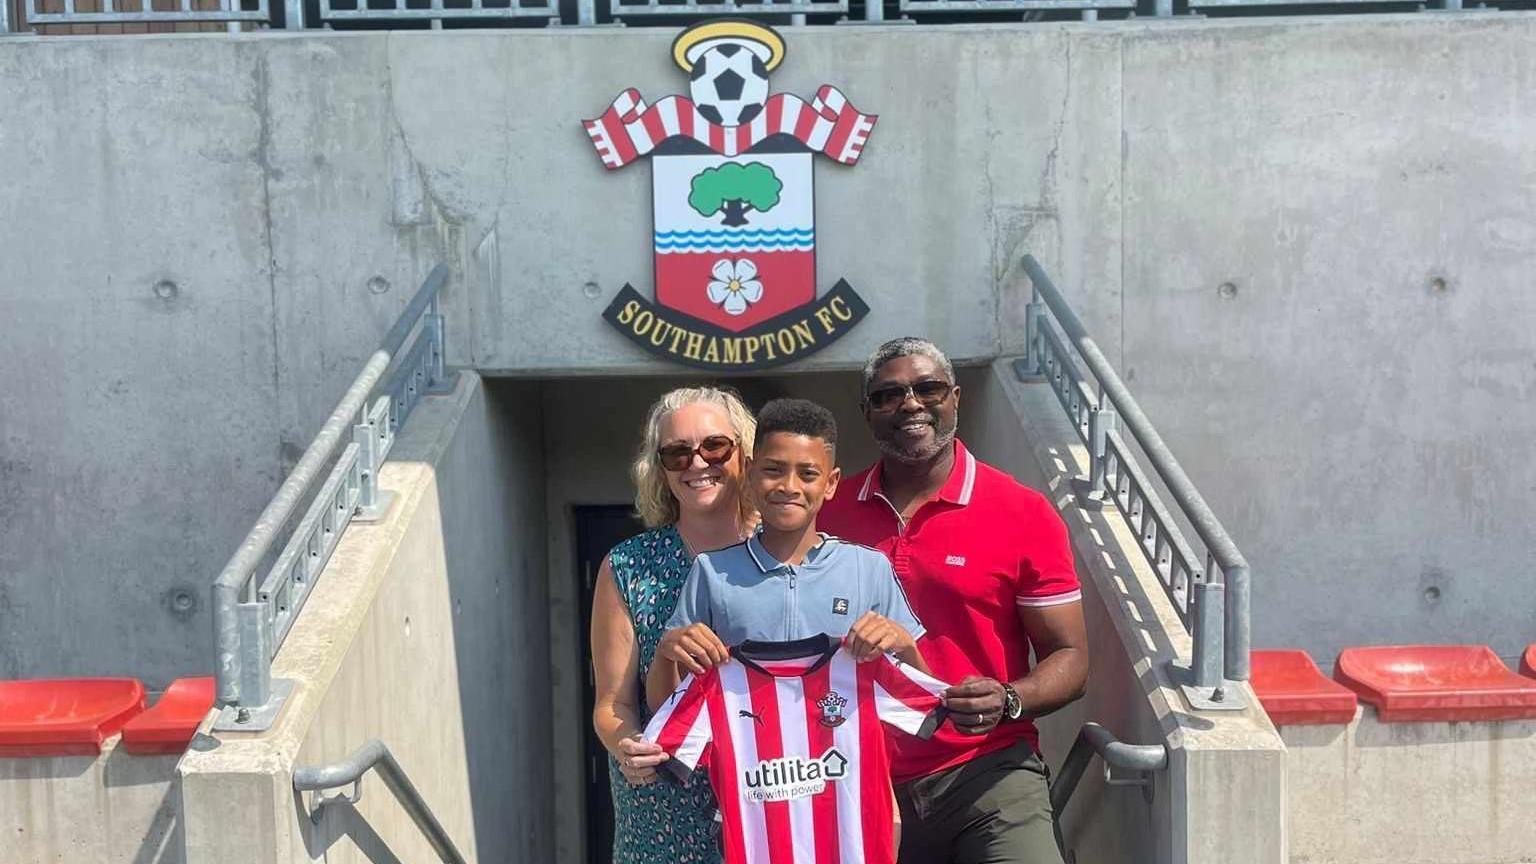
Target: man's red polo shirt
(967,560)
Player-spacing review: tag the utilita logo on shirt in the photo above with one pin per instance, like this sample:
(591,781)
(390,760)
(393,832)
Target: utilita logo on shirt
(794,776)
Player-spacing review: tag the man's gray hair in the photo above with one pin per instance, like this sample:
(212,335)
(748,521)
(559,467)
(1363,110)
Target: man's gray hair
(905,346)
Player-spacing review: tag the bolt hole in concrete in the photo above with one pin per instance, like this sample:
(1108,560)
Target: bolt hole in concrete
(167,290)
(1438,285)
(378,285)
(1432,594)
(1227,290)
(407,625)
(591,291)
(180,602)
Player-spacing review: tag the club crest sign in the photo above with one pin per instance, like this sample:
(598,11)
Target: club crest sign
(733,199)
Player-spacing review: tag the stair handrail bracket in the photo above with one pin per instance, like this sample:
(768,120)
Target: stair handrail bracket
(1095,740)
(251,616)
(1211,595)
(350,771)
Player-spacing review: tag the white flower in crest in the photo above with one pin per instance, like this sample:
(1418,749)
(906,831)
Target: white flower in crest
(735,285)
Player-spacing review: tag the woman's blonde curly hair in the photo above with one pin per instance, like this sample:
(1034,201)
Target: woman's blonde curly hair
(654,501)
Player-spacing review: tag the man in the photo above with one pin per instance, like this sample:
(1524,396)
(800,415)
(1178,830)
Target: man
(988,569)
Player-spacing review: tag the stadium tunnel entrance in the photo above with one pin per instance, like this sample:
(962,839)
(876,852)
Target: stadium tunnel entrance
(589,430)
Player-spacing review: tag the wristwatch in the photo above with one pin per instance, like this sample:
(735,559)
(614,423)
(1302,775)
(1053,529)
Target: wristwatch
(1013,709)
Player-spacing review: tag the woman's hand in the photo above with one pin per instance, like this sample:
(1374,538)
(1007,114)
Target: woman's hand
(638,759)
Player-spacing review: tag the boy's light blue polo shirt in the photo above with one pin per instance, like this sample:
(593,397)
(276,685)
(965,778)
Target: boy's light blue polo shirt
(742,592)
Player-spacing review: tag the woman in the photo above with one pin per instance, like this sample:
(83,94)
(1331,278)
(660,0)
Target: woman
(689,492)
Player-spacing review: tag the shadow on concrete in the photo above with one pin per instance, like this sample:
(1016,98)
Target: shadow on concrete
(163,843)
(47,767)
(491,494)
(336,821)
(1372,733)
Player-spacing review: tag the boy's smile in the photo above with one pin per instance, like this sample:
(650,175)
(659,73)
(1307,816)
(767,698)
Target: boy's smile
(790,476)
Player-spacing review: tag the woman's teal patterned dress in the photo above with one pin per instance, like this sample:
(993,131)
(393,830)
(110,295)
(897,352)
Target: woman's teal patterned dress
(664,822)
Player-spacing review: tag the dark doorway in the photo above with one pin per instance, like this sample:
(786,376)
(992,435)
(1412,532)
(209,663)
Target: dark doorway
(598,529)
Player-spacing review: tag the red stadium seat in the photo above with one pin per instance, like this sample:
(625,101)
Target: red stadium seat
(169,726)
(1294,692)
(1528,662)
(1429,683)
(65,717)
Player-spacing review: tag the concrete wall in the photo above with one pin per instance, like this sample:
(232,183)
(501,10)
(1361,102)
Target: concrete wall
(428,632)
(1273,225)
(1222,796)
(1410,793)
(114,808)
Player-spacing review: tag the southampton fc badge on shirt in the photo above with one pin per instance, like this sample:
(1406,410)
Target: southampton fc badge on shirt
(732,191)
(832,705)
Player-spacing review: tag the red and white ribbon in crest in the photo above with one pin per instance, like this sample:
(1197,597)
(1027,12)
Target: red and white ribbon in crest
(829,125)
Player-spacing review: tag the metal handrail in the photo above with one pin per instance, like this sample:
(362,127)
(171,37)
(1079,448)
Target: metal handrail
(436,12)
(1095,740)
(229,12)
(318,778)
(251,620)
(621,9)
(1219,597)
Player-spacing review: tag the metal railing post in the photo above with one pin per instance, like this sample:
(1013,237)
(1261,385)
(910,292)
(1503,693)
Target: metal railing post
(437,336)
(1034,349)
(1237,635)
(226,642)
(874,10)
(293,14)
(1162,8)
(255,657)
(5,17)
(1209,602)
(1099,423)
(586,12)
(366,437)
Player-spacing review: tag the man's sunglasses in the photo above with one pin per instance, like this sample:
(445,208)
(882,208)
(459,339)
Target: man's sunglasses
(713,450)
(929,393)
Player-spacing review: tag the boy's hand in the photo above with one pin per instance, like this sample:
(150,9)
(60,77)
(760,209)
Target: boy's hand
(874,634)
(695,648)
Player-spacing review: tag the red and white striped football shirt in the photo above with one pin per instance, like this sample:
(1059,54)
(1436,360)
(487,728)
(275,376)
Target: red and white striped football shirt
(790,735)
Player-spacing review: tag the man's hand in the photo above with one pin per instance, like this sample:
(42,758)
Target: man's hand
(975,704)
(638,759)
(695,648)
(874,634)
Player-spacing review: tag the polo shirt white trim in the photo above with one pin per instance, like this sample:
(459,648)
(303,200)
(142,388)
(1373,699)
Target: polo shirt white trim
(967,485)
(970,479)
(1053,600)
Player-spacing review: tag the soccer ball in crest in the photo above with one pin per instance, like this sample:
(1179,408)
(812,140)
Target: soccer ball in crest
(728,61)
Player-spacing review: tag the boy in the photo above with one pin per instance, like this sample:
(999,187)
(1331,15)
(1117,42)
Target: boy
(786,582)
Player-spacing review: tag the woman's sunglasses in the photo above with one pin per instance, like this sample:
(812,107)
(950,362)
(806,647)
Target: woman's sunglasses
(713,450)
(929,393)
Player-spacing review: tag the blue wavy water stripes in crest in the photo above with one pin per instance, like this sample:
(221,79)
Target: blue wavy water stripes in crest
(749,234)
(753,240)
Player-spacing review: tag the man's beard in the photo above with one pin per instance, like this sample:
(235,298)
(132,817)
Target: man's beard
(919,454)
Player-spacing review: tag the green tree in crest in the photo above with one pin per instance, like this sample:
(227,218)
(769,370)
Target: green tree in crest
(734,189)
